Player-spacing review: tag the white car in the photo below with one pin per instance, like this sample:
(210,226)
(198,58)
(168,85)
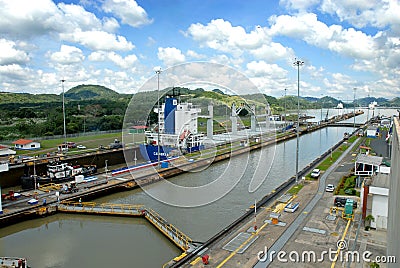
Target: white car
(315,173)
(330,188)
(81,147)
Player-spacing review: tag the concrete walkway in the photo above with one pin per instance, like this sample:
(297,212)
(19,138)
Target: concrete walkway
(283,239)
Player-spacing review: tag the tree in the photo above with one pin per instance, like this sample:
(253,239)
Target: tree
(367,221)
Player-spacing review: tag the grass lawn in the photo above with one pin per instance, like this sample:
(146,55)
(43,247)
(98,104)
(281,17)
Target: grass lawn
(88,141)
(92,142)
(295,189)
(334,156)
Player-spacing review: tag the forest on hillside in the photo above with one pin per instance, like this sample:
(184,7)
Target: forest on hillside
(97,108)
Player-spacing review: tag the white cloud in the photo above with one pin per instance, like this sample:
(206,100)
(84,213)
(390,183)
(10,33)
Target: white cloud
(68,55)
(128,11)
(122,62)
(386,63)
(99,40)
(269,78)
(27,18)
(193,54)
(77,16)
(10,54)
(222,36)
(261,68)
(361,13)
(272,52)
(110,24)
(348,42)
(339,84)
(300,5)
(226,60)
(12,71)
(170,55)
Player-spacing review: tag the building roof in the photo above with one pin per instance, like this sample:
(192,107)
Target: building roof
(22,141)
(7,152)
(139,127)
(381,180)
(372,128)
(369,159)
(2,147)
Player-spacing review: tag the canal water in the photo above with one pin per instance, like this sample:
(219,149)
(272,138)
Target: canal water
(101,241)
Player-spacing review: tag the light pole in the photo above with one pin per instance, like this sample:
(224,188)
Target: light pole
(298,63)
(285,105)
(158,72)
(106,169)
(321,109)
(63,105)
(354,108)
(368,109)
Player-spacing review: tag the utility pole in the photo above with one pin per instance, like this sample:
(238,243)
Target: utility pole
(65,127)
(298,63)
(106,169)
(368,109)
(158,72)
(321,109)
(285,105)
(354,109)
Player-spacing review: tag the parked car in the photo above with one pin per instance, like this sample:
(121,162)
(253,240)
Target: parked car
(63,148)
(315,173)
(330,188)
(116,144)
(81,146)
(341,201)
(70,144)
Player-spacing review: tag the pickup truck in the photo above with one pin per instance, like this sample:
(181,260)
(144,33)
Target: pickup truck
(116,145)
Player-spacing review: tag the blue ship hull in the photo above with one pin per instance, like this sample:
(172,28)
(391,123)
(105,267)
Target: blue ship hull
(150,152)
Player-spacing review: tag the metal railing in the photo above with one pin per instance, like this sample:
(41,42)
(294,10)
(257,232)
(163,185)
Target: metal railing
(174,234)
(177,236)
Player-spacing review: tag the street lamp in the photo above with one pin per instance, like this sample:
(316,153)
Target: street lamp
(63,105)
(321,108)
(106,169)
(298,63)
(368,109)
(158,72)
(354,108)
(285,105)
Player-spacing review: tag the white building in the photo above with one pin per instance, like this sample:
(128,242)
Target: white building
(367,165)
(23,144)
(372,132)
(375,200)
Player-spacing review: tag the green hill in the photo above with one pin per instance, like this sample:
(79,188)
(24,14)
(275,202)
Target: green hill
(86,92)
(6,97)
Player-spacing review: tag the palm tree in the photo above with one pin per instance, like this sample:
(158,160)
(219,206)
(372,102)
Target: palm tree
(367,221)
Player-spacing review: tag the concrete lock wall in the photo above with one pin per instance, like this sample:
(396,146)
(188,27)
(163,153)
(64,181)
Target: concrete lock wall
(393,234)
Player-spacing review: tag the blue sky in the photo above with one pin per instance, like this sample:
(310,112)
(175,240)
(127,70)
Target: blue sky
(345,44)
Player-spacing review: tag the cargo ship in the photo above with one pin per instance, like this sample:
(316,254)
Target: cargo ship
(176,132)
(57,172)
